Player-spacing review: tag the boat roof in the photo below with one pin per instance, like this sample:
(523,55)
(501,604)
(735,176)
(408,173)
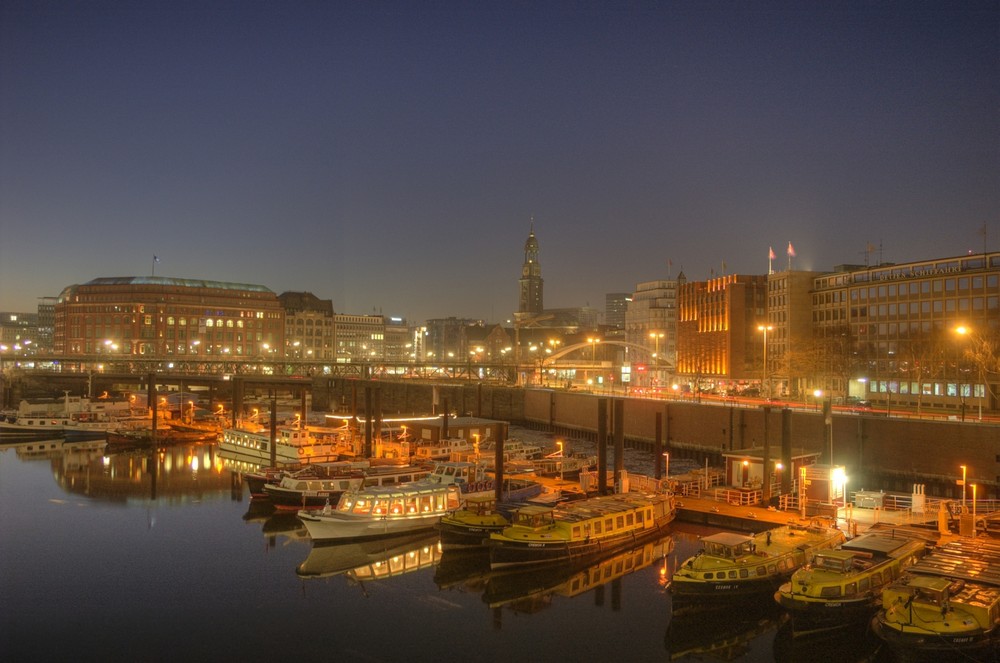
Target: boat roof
(727,538)
(935,583)
(401,490)
(840,554)
(876,543)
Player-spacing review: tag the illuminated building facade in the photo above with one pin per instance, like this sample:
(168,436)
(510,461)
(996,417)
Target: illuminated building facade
(790,351)
(891,332)
(717,339)
(651,323)
(309,331)
(359,338)
(162,316)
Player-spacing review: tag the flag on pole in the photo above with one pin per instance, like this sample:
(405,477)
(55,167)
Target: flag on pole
(156,259)
(770,253)
(791,250)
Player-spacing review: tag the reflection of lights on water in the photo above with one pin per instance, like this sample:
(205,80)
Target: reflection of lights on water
(194,463)
(106,460)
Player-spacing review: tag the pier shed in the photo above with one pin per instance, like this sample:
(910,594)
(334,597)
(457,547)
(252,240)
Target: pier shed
(745,467)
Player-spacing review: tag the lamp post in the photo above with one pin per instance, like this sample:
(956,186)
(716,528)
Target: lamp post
(560,445)
(767,388)
(974,354)
(656,336)
(593,344)
(964,469)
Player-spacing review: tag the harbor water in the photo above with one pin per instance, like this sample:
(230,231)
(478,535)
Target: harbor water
(140,556)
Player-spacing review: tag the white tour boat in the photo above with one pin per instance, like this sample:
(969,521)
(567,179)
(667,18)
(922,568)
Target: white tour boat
(293,445)
(383,511)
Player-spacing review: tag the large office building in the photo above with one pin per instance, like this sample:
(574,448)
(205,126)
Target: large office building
(920,334)
(718,346)
(162,316)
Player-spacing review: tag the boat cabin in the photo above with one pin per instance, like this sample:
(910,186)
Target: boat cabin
(728,545)
(838,561)
(481,505)
(398,502)
(933,590)
(534,517)
(458,472)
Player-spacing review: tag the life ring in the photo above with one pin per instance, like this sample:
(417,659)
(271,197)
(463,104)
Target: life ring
(301,451)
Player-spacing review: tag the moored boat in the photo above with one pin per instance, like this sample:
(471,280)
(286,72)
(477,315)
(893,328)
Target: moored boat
(293,445)
(378,511)
(841,586)
(297,492)
(741,565)
(945,605)
(443,449)
(580,529)
(471,526)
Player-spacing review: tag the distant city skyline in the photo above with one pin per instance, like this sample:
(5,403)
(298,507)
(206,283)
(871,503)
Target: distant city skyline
(390,157)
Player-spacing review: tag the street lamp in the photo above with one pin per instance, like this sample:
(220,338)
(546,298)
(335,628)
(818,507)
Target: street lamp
(767,388)
(964,469)
(974,354)
(656,336)
(560,445)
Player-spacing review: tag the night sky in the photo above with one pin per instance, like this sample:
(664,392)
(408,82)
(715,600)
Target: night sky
(391,156)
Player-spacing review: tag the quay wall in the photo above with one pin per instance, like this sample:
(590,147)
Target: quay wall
(891,453)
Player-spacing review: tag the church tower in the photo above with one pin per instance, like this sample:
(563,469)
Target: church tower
(531,277)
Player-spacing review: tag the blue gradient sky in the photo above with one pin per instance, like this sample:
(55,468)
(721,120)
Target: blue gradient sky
(389,156)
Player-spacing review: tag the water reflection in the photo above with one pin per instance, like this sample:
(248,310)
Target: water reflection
(857,646)
(529,590)
(723,634)
(372,559)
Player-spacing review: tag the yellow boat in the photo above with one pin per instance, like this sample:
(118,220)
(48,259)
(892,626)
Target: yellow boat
(947,605)
(580,530)
(742,565)
(844,585)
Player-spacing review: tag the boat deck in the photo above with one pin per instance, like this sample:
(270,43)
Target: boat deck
(975,560)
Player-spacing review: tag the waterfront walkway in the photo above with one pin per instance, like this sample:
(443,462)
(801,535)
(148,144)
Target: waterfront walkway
(851,519)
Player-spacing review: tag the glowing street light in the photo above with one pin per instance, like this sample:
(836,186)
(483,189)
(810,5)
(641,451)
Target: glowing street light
(974,354)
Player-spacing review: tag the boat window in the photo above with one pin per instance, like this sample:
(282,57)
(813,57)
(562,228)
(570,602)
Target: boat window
(597,527)
(396,506)
(628,520)
(732,575)
(864,584)
(620,521)
(609,525)
(851,589)
(772,569)
(362,506)
(761,571)
(439,502)
(744,573)
(638,516)
(708,576)
(576,531)
(830,592)
(411,505)
(346,504)
(877,578)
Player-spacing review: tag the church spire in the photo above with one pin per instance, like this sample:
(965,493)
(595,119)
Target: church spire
(531,275)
